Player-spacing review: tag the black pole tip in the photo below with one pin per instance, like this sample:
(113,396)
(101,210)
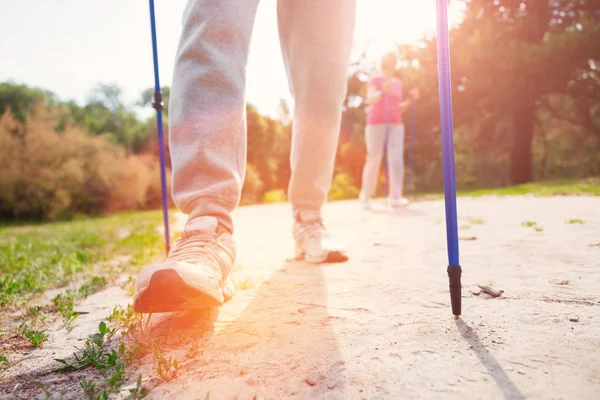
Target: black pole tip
(454,273)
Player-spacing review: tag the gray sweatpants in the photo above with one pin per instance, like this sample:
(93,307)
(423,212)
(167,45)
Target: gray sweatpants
(207,121)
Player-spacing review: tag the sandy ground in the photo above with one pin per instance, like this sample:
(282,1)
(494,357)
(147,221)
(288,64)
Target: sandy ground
(380,325)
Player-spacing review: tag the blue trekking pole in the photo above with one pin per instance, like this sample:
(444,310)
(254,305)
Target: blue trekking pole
(158,106)
(410,149)
(443,49)
(386,181)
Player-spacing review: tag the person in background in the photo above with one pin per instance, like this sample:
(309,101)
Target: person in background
(385,107)
(207,141)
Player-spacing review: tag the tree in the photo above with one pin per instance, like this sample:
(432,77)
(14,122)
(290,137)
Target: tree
(105,114)
(513,55)
(147,98)
(21,99)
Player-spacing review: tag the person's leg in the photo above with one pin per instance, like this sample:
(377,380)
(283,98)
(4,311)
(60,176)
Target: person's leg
(207,124)
(316,39)
(207,142)
(395,156)
(374,140)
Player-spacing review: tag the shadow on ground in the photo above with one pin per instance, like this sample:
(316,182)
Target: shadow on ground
(284,331)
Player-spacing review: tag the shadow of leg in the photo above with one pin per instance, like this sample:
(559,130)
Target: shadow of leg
(280,345)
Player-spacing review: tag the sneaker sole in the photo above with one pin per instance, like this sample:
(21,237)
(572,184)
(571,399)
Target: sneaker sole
(167,292)
(333,257)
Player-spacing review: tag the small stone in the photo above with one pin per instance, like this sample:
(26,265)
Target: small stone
(561,282)
(313,379)
(574,319)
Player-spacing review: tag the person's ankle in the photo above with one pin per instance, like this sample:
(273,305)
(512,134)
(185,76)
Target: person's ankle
(307,215)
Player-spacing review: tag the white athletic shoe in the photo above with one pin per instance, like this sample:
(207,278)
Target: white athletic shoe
(314,243)
(364,202)
(195,275)
(397,203)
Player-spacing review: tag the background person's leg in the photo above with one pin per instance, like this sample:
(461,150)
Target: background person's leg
(207,123)
(374,140)
(316,39)
(395,156)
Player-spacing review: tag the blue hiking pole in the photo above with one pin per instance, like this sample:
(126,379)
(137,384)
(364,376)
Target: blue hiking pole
(411,149)
(158,106)
(386,178)
(443,49)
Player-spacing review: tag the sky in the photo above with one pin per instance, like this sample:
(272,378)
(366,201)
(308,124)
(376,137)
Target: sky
(68,46)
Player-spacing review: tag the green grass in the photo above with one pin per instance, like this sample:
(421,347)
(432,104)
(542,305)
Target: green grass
(34,258)
(574,221)
(532,224)
(572,187)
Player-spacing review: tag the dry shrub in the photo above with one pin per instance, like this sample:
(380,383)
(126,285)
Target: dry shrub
(253,186)
(48,174)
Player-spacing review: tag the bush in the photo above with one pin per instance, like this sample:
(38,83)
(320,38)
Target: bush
(342,188)
(49,174)
(275,196)
(253,186)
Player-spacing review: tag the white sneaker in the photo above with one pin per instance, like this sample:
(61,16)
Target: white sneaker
(397,203)
(364,202)
(194,275)
(313,243)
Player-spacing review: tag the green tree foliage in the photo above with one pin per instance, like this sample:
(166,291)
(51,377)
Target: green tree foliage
(49,174)
(526,93)
(511,57)
(21,98)
(147,98)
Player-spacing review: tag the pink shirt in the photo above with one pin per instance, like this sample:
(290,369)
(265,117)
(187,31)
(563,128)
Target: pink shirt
(376,112)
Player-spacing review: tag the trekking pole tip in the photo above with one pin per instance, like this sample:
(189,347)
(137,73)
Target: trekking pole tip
(454,273)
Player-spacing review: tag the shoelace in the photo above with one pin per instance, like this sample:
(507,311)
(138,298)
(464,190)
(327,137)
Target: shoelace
(315,230)
(192,246)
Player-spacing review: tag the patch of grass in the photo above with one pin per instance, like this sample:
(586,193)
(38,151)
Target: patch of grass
(532,224)
(35,337)
(127,319)
(64,303)
(243,284)
(91,286)
(476,221)
(129,286)
(4,362)
(571,187)
(166,368)
(112,363)
(34,258)
(193,350)
(574,221)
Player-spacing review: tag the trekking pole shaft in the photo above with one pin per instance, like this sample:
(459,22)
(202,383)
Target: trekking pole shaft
(445,89)
(158,106)
(386,171)
(411,147)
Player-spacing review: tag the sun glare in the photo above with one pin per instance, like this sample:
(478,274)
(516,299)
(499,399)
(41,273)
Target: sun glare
(380,24)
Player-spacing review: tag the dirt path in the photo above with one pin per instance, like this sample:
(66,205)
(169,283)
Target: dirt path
(380,326)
